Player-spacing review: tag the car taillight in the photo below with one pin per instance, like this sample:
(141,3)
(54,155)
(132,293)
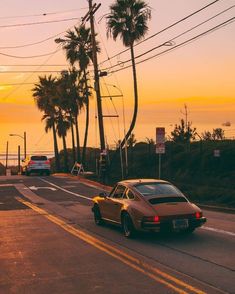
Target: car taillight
(47,162)
(198,215)
(32,162)
(154,219)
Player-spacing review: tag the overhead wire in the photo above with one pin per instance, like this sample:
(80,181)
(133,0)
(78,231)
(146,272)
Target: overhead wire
(37,23)
(33,56)
(163,30)
(42,14)
(34,43)
(181,44)
(168,43)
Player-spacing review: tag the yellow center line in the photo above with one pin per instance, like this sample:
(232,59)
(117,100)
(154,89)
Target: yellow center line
(118,254)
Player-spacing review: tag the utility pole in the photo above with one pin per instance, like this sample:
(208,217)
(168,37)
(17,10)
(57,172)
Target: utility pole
(92,10)
(7,155)
(25,152)
(18,159)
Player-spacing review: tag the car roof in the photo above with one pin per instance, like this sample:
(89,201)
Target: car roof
(134,182)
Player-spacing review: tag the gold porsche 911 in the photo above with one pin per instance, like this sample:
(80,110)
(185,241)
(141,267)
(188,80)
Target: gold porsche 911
(147,205)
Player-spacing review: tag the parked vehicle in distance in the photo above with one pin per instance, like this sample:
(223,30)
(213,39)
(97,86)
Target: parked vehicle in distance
(36,164)
(147,205)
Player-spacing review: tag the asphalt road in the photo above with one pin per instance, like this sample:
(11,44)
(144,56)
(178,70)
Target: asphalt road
(50,244)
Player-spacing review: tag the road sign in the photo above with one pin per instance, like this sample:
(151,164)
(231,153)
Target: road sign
(160,135)
(160,140)
(160,148)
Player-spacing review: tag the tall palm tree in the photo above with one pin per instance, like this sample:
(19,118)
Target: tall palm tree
(78,46)
(62,127)
(128,20)
(44,94)
(71,102)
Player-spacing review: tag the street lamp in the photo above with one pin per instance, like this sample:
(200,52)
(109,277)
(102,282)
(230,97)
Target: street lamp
(22,137)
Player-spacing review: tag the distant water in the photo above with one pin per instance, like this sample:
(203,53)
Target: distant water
(13,158)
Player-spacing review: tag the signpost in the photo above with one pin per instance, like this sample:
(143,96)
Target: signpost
(160,146)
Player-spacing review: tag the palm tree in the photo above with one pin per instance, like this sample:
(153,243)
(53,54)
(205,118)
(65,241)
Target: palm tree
(128,20)
(62,127)
(71,102)
(44,94)
(78,47)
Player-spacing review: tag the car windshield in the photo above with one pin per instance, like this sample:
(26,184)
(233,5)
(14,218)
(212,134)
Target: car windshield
(155,189)
(38,158)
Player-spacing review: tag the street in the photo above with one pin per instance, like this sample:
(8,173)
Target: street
(50,244)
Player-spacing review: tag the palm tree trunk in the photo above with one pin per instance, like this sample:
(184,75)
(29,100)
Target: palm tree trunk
(66,168)
(73,141)
(56,151)
(132,125)
(87,121)
(78,140)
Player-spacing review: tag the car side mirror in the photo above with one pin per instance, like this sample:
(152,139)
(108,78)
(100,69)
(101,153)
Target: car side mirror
(103,194)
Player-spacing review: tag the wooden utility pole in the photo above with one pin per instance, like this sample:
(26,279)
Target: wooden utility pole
(7,155)
(96,73)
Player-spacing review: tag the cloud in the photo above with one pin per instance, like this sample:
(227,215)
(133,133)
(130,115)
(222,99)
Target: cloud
(3,68)
(19,76)
(4,88)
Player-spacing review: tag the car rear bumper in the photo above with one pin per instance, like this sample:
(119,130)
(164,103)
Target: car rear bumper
(165,226)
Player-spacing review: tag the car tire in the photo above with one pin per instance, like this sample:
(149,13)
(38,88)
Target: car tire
(97,216)
(127,226)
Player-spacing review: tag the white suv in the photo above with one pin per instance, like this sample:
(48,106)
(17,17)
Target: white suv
(36,164)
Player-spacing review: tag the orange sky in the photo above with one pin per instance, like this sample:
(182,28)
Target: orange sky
(200,74)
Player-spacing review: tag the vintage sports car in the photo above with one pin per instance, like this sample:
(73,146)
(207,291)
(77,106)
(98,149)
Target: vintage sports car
(147,205)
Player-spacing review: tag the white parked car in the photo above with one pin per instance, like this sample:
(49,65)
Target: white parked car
(36,164)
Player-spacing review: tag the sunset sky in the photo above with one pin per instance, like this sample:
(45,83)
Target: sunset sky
(200,74)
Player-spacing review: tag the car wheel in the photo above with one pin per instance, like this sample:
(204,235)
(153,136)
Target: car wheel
(97,216)
(127,226)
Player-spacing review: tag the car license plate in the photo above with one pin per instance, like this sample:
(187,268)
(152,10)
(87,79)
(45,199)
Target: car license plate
(180,223)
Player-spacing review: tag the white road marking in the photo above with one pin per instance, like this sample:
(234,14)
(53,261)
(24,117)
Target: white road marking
(67,191)
(37,188)
(218,231)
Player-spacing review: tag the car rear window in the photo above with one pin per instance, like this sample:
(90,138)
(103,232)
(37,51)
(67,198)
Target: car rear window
(38,158)
(155,189)
(167,200)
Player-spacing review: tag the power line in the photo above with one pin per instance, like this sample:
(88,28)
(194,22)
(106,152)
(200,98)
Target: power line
(157,33)
(30,71)
(42,14)
(169,42)
(38,23)
(35,43)
(16,65)
(28,77)
(181,44)
(33,56)
(15,84)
